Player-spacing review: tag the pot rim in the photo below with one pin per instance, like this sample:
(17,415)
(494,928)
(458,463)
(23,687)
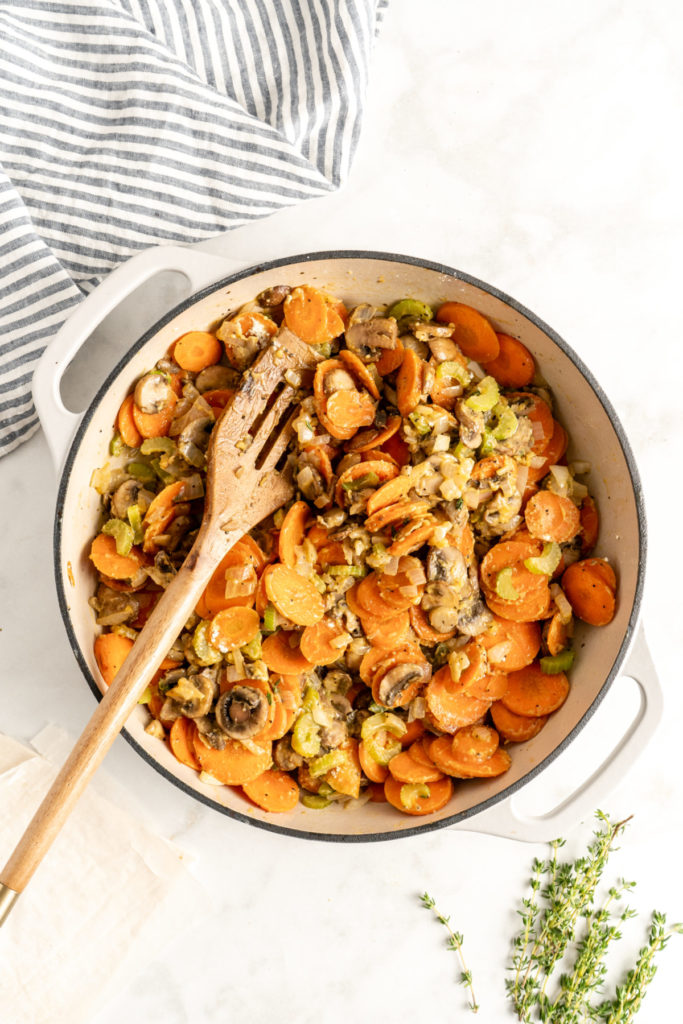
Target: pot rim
(440,268)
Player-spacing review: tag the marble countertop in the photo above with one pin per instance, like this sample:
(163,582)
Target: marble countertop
(532,146)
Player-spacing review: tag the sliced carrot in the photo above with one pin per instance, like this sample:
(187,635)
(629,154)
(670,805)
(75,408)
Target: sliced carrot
(556,634)
(390,359)
(347,411)
(378,660)
(412,536)
(273,791)
(111,650)
(552,454)
(292,532)
(399,512)
(451,708)
(533,606)
(345,778)
(514,365)
(510,554)
(532,693)
(478,664)
(426,633)
(446,390)
(418,750)
(282,653)
(219,398)
(415,730)
(332,554)
(383,632)
(180,740)
(233,628)
(489,687)
(441,752)
(162,510)
(317,641)
(376,793)
(590,524)
(351,599)
(290,690)
(373,771)
(383,471)
(589,586)
(130,435)
(492,466)
(106,560)
(167,665)
(375,436)
(378,455)
(235,764)
(511,645)
(471,331)
(552,517)
(196,350)
(310,314)
(439,794)
(294,596)
(515,728)
(368,596)
(405,769)
(474,743)
(462,538)
(360,371)
(369,662)
(398,449)
(389,492)
(409,382)
(155,424)
(318,535)
(231,573)
(398,590)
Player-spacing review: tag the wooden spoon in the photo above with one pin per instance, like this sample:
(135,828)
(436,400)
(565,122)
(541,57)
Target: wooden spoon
(242,488)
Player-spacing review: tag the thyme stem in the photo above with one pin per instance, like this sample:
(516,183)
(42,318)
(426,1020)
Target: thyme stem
(454,943)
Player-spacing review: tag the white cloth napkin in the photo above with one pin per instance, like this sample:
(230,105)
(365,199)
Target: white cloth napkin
(128,123)
(107,892)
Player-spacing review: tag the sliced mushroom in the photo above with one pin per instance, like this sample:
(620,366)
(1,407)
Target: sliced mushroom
(114,607)
(153,393)
(210,733)
(130,492)
(398,679)
(338,380)
(242,712)
(446,564)
(444,619)
(217,376)
(194,694)
(471,424)
(241,349)
(193,441)
(333,735)
(474,618)
(522,440)
(286,758)
(163,570)
(175,533)
(273,297)
(369,338)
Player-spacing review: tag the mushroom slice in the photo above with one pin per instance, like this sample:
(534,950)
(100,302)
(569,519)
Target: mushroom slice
(242,712)
(471,424)
(194,694)
(338,380)
(474,618)
(209,731)
(193,441)
(273,297)
(216,377)
(153,393)
(398,679)
(447,565)
(368,338)
(286,758)
(130,492)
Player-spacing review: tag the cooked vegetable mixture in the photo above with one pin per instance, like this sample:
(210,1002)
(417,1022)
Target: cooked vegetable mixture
(410,614)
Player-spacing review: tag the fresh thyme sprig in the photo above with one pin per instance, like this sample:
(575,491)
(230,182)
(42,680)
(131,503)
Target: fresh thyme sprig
(454,943)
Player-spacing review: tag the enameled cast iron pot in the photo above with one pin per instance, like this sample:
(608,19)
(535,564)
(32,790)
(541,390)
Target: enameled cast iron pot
(80,444)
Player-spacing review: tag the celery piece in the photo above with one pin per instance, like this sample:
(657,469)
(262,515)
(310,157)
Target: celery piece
(556,663)
(122,534)
(145,697)
(367,480)
(166,478)
(252,650)
(116,445)
(306,736)
(346,570)
(142,472)
(506,422)
(325,763)
(315,801)
(311,698)
(505,587)
(420,423)
(269,614)
(412,308)
(135,519)
(325,349)
(485,396)
(453,369)
(461,451)
(488,444)
(165,445)
(382,746)
(547,562)
(412,792)
(206,654)
(384,720)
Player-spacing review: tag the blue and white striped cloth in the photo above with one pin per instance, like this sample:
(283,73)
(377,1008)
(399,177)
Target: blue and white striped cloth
(125,123)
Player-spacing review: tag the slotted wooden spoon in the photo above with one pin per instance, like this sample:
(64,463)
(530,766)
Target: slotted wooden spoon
(242,488)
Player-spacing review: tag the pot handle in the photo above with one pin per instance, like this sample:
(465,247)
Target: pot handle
(58,422)
(505,820)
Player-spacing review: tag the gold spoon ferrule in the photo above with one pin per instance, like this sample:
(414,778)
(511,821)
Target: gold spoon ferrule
(8,898)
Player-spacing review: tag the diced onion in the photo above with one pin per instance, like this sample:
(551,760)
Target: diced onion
(417,709)
(522,478)
(579,468)
(563,606)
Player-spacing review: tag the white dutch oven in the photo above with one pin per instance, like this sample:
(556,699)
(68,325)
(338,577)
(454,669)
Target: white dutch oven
(79,443)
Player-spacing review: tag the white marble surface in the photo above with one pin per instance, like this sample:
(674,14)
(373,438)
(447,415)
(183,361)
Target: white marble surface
(533,146)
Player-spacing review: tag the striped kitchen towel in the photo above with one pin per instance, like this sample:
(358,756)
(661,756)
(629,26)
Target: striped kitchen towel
(127,123)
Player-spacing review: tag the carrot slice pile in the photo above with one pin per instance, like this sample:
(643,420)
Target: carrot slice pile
(589,586)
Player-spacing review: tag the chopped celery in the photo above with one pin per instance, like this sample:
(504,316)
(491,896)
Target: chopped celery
(306,736)
(252,650)
(506,422)
(421,423)
(315,801)
(453,369)
(116,445)
(325,763)
(146,696)
(325,349)
(122,534)
(488,444)
(461,451)
(206,654)
(485,396)
(561,662)
(166,478)
(165,445)
(411,308)
(505,587)
(384,720)
(325,789)
(142,472)
(367,480)
(413,792)
(547,562)
(382,746)
(311,698)
(346,570)
(269,620)
(135,520)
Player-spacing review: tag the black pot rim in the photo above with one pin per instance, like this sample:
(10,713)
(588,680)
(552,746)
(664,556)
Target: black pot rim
(426,825)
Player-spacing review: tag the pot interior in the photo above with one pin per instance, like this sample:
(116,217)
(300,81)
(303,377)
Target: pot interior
(596,436)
